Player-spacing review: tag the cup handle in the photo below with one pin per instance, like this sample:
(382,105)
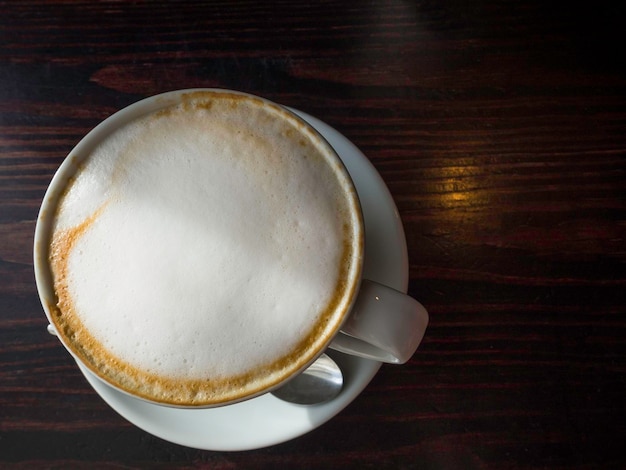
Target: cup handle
(385,325)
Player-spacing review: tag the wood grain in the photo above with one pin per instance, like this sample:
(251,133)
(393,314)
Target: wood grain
(500,130)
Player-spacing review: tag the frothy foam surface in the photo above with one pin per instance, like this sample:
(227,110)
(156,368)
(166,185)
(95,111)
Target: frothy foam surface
(204,251)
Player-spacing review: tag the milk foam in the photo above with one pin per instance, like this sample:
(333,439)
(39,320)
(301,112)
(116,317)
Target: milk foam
(202,243)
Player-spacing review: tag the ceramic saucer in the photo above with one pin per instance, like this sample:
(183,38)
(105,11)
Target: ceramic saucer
(266,420)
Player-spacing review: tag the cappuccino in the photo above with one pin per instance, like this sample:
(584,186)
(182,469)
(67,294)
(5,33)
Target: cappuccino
(205,251)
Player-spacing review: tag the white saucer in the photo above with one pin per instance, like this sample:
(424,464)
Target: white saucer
(266,420)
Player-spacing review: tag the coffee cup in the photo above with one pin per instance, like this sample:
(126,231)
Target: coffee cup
(202,247)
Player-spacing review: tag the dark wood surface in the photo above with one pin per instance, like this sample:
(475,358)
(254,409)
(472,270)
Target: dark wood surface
(500,130)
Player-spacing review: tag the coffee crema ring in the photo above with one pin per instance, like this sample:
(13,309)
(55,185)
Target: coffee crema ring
(205,250)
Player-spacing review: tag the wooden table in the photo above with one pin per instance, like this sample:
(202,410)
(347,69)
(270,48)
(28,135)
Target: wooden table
(500,130)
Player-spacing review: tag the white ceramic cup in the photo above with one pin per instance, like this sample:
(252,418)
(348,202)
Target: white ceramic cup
(383,324)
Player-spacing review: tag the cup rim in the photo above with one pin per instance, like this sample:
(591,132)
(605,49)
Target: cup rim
(81,151)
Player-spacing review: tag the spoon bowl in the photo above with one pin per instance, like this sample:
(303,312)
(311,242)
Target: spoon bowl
(320,382)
